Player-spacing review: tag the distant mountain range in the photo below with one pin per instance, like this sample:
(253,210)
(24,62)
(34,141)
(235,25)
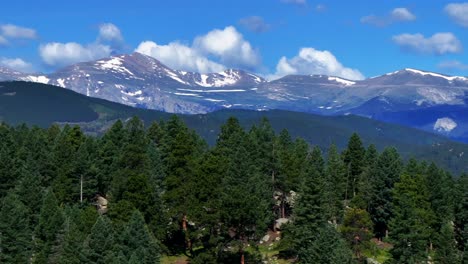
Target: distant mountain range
(44,105)
(420,99)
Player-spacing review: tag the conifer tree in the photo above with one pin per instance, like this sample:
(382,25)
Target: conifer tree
(334,187)
(99,245)
(446,251)
(51,219)
(15,231)
(137,243)
(461,215)
(245,197)
(324,246)
(354,157)
(410,228)
(383,177)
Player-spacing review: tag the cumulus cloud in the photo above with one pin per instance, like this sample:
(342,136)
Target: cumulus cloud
(57,54)
(60,54)
(214,51)
(11,31)
(255,23)
(458,12)
(453,65)
(400,14)
(110,33)
(438,44)
(179,56)
(312,61)
(16,64)
(295,2)
(229,46)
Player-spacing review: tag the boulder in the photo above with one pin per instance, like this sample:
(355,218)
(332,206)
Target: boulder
(101,204)
(279,222)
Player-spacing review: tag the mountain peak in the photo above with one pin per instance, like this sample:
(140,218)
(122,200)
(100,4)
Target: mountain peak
(428,74)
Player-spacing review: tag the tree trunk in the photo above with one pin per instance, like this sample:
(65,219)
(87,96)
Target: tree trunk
(184,223)
(81,189)
(242,257)
(283,213)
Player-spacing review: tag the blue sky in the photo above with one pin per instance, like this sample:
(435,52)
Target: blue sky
(352,39)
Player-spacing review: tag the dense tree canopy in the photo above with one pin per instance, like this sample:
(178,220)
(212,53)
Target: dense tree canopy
(139,192)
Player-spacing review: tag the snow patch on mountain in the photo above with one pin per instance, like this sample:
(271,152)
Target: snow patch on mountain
(115,64)
(139,92)
(445,124)
(342,81)
(433,74)
(38,79)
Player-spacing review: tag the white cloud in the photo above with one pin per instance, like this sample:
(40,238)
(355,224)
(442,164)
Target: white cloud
(312,61)
(60,54)
(16,64)
(295,2)
(439,43)
(11,31)
(453,65)
(458,12)
(212,52)
(255,23)
(445,124)
(400,14)
(3,41)
(229,46)
(109,32)
(179,56)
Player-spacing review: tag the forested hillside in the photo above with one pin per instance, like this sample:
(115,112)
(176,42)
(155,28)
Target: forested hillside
(140,194)
(44,105)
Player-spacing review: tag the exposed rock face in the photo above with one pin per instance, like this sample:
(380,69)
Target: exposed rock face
(101,204)
(279,222)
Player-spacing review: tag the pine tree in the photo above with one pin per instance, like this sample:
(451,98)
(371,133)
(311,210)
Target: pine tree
(108,155)
(325,246)
(356,229)
(385,173)
(461,215)
(137,243)
(50,223)
(99,245)
(308,212)
(354,158)
(68,244)
(245,197)
(446,251)
(334,186)
(410,228)
(15,231)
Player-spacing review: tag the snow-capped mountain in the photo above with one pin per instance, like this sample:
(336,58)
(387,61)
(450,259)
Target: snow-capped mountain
(142,81)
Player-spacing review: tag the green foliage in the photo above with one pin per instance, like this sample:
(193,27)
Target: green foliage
(446,251)
(167,191)
(50,222)
(356,230)
(382,178)
(410,228)
(98,246)
(334,186)
(137,243)
(324,246)
(15,231)
(354,160)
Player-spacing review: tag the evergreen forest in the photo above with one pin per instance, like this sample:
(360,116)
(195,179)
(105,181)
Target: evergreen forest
(155,193)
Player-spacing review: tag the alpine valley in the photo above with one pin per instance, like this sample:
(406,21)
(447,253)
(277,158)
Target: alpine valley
(415,98)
